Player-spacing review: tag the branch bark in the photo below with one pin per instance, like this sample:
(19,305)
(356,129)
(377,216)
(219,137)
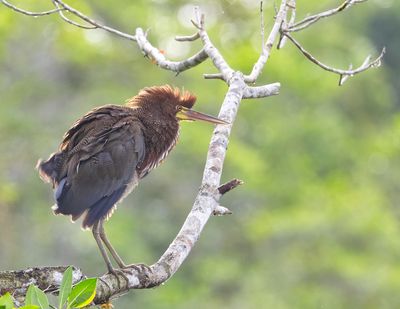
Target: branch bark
(210,192)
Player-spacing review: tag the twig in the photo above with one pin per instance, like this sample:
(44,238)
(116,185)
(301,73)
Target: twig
(213,76)
(282,39)
(221,211)
(212,52)
(159,58)
(266,50)
(187,38)
(70,21)
(25,12)
(262,25)
(93,22)
(230,185)
(308,21)
(343,73)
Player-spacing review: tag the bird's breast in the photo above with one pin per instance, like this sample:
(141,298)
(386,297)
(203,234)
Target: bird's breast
(158,145)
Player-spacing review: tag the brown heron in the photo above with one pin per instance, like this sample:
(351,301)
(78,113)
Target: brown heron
(107,151)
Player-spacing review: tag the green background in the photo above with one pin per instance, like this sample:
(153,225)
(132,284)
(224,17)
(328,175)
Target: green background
(316,223)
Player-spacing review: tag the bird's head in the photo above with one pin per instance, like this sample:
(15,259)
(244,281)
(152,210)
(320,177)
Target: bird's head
(166,101)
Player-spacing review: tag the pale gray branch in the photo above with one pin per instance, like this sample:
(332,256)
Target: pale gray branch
(70,21)
(93,22)
(212,52)
(266,50)
(344,74)
(187,38)
(214,76)
(158,57)
(29,13)
(46,278)
(308,21)
(221,211)
(149,50)
(261,91)
(292,9)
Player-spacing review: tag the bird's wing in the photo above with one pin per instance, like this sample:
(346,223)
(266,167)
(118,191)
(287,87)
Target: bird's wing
(101,153)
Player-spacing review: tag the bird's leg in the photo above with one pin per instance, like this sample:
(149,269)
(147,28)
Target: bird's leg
(102,237)
(114,253)
(97,237)
(110,248)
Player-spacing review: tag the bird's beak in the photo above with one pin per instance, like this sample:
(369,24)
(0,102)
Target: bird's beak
(191,115)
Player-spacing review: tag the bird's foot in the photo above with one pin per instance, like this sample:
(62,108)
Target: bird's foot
(117,273)
(139,267)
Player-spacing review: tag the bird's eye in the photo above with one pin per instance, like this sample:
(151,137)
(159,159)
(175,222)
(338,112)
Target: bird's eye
(179,108)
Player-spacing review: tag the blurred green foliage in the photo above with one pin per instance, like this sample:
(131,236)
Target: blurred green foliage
(316,223)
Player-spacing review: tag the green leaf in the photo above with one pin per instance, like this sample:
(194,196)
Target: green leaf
(28,307)
(41,298)
(66,287)
(36,297)
(30,295)
(6,301)
(82,294)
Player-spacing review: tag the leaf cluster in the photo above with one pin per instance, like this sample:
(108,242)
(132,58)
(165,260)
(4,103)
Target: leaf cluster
(78,296)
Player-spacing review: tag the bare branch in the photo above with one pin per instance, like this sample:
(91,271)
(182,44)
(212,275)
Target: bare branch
(46,278)
(230,185)
(221,211)
(261,91)
(93,22)
(63,7)
(262,25)
(70,21)
(188,38)
(25,12)
(259,65)
(282,39)
(308,21)
(212,52)
(213,76)
(367,64)
(158,57)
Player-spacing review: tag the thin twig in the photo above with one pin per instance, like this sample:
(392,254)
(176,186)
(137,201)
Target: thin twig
(187,38)
(29,13)
(159,58)
(230,185)
(308,21)
(365,66)
(70,21)
(94,22)
(218,60)
(262,25)
(283,39)
(213,76)
(221,211)
(266,50)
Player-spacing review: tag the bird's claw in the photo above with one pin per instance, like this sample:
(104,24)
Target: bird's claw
(117,273)
(139,267)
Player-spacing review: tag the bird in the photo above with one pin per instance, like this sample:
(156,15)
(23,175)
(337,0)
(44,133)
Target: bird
(105,153)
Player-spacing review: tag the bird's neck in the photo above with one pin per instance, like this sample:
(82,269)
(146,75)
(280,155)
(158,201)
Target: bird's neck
(160,136)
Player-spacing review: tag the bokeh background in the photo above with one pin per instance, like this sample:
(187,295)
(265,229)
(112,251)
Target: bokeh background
(316,224)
